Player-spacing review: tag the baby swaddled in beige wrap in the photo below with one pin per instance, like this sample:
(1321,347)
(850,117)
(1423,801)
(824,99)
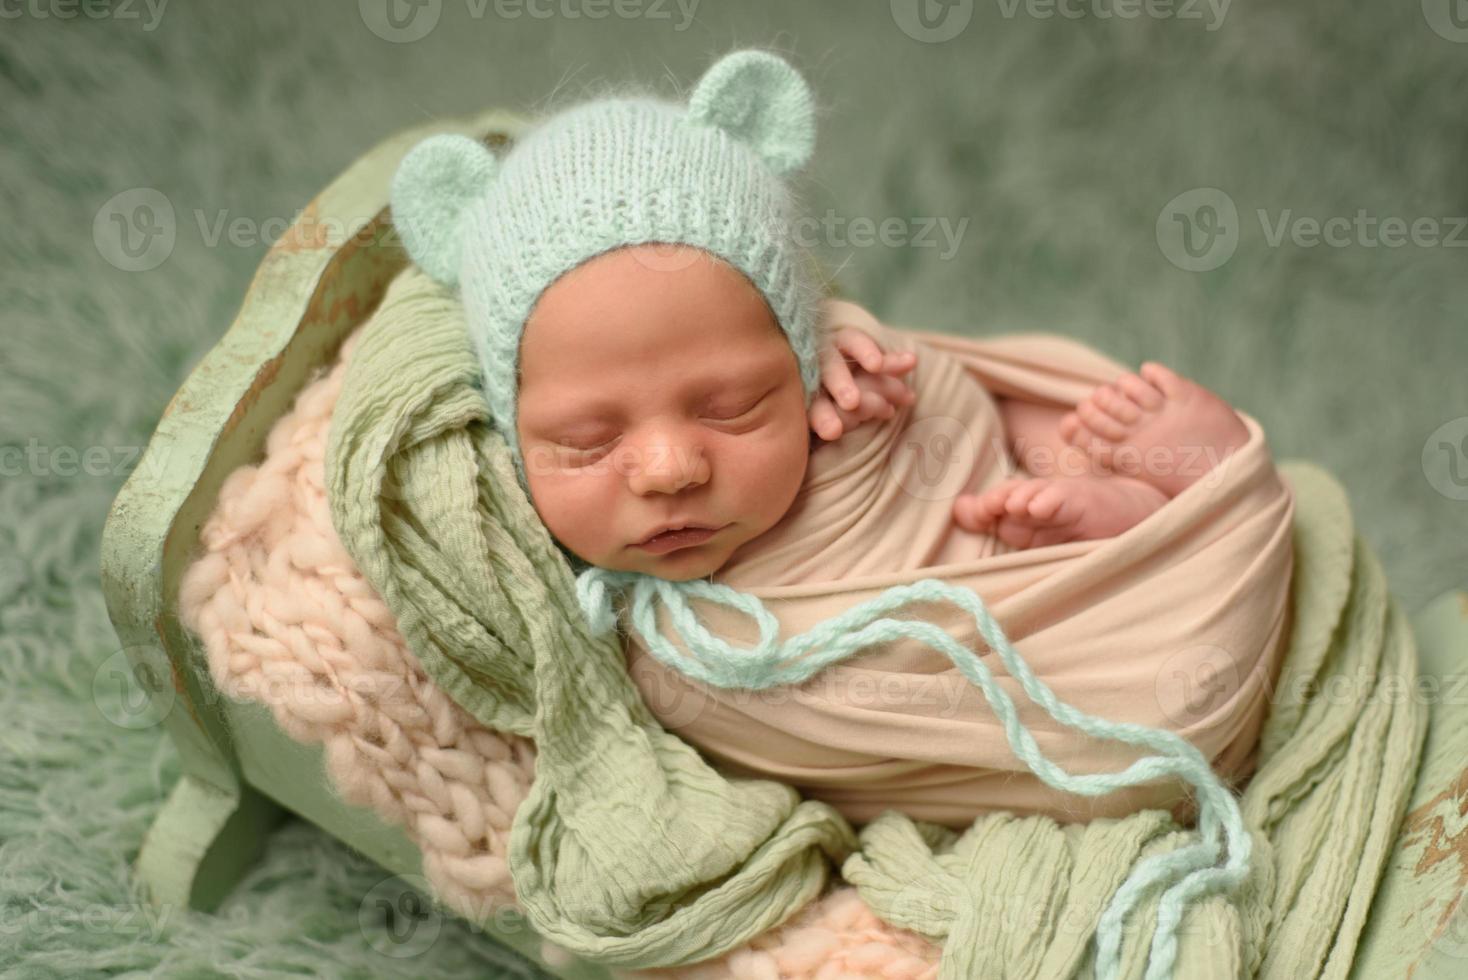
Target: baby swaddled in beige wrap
(1177,623)
(645,322)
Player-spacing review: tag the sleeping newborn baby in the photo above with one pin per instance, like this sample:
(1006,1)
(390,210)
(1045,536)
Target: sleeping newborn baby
(675,441)
(682,401)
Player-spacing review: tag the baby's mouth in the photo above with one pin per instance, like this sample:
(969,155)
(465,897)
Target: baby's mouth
(683,537)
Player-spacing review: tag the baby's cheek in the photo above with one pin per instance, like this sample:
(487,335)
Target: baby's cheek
(575,504)
(775,459)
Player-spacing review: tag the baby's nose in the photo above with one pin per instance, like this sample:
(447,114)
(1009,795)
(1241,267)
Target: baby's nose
(666,466)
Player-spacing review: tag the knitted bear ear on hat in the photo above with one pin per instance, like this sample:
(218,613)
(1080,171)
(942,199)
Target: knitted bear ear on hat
(431,191)
(760,100)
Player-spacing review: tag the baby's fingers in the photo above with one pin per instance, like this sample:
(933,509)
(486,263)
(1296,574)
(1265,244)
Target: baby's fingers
(894,390)
(874,406)
(858,345)
(836,378)
(825,419)
(881,390)
(898,362)
(970,514)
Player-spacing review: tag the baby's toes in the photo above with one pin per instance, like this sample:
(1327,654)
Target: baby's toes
(970,513)
(995,500)
(1018,504)
(1074,431)
(1101,452)
(1047,503)
(1077,433)
(1140,392)
(1014,533)
(1111,401)
(1099,422)
(1167,381)
(977,510)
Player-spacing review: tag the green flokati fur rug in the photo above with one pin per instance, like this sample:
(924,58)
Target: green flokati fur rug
(1050,147)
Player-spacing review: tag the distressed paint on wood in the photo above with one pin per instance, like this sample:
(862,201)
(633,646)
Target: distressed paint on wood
(1419,921)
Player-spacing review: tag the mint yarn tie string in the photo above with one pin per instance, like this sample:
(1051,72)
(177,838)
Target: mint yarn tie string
(1194,870)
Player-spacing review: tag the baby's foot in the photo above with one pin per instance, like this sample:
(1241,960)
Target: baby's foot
(1033,512)
(1157,427)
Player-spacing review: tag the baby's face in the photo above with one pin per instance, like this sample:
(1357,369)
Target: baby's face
(657,388)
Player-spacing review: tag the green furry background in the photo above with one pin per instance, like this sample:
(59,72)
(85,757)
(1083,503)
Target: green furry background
(1046,161)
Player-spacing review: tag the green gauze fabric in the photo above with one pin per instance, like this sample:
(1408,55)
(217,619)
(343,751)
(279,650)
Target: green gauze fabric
(632,851)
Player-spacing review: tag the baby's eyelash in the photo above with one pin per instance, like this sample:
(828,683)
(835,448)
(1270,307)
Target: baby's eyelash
(741,412)
(586,450)
(730,418)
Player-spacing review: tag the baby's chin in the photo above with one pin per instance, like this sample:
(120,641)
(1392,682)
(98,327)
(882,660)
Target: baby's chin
(680,566)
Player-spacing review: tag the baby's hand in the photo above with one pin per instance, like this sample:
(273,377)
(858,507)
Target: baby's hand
(872,391)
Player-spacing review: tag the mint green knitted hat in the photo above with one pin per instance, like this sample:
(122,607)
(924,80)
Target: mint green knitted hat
(610,173)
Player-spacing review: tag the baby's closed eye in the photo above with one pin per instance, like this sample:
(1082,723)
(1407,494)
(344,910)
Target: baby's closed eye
(583,445)
(729,410)
(723,410)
